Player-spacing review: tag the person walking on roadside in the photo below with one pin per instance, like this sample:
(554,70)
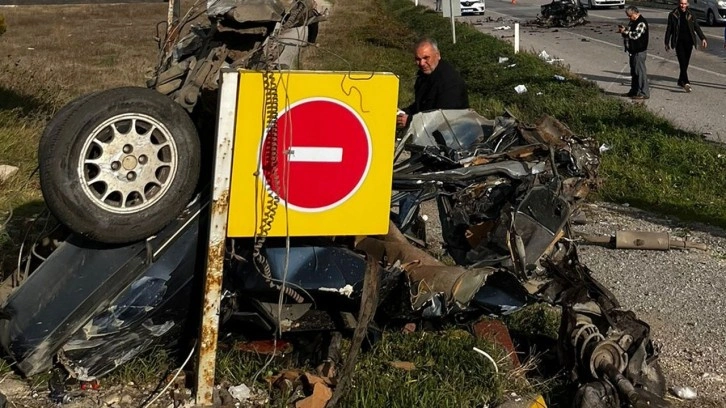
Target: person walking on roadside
(438,84)
(635,37)
(681,35)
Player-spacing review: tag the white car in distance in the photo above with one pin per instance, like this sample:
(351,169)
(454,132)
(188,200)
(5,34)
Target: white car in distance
(472,7)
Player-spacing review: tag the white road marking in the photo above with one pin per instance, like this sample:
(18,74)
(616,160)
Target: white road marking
(315,154)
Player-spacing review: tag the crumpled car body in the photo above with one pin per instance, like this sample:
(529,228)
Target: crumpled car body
(238,35)
(505,192)
(562,13)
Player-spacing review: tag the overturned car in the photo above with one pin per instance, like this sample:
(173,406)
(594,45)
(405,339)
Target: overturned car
(129,159)
(505,192)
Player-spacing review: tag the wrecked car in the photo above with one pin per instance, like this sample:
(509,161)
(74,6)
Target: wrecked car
(505,192)
(561,13)
(129,159)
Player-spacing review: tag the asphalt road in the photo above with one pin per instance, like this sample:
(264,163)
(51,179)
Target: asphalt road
(595,51)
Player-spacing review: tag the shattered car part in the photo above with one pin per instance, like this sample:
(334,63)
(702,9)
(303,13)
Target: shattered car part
(561,13)
(642,240)
(515,218)
(99,306)
(241,34)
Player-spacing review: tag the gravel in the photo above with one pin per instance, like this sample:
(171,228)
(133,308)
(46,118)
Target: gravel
(677,292)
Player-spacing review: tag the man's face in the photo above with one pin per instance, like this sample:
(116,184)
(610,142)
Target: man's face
(683,5)
(632,16)
(427,58)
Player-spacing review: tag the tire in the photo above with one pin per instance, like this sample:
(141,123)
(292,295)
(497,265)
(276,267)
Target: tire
(710,19)
(58,119)
(622,6)
(113,190)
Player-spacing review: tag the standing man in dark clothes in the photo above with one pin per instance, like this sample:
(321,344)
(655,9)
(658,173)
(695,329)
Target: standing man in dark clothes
(635,36)
(681,35)
(438,85)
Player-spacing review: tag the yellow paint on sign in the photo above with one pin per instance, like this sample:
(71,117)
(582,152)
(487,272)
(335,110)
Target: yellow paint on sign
(330,163)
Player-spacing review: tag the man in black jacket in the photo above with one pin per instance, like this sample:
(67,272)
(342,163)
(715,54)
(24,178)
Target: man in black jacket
(635,36)
(438,85)
(681,35)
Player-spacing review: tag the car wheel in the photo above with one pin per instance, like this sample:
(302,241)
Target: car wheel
(59,119)
(622,6)
(710,18)
(119,165)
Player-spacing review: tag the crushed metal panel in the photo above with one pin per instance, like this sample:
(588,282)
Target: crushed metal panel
(78,281)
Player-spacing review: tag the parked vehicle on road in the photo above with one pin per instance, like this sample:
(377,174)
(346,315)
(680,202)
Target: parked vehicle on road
(591,4)
(473,7)
(711,11)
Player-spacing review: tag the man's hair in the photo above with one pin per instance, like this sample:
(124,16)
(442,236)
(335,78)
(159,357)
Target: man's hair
(427,40)
(631,10)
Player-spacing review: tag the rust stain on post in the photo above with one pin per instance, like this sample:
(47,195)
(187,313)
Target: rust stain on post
(212,297)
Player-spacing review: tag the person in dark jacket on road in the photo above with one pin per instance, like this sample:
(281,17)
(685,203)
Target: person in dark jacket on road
(438,84)
(635,37)
(681,35)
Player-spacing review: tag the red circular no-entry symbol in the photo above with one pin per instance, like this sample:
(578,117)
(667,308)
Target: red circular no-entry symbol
(323,154)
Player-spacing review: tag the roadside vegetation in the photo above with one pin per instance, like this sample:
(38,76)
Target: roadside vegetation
(650,164)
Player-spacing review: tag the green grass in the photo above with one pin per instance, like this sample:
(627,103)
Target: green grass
(148,368)
(538,319)
(448,373)
(445,364)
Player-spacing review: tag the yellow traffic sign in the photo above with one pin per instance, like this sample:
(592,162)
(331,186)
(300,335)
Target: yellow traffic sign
(326,167)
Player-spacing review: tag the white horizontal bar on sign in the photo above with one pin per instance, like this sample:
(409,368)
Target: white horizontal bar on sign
(316,154)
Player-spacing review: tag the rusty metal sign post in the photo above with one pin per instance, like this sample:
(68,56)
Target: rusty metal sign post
(217,236)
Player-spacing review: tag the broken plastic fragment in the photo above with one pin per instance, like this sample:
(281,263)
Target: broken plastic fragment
(559,78)
(503,60)
(240,392)
(502,28)
(604,148)
(686,393)
(346,290)
(547,58)
(520,89)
